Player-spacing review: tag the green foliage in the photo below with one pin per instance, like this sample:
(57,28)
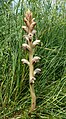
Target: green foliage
(50,85)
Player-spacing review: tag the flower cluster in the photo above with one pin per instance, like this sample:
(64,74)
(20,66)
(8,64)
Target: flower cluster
(29,29)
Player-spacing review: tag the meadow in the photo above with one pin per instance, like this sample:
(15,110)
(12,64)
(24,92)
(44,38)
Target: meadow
(50,84)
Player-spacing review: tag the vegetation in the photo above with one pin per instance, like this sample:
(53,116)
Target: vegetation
(30,46)
(50,85)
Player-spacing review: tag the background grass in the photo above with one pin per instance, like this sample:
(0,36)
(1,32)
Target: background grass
(50,85)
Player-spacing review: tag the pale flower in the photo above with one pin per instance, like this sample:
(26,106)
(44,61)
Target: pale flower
(36,42)
(24,61)
(25,28)
(36,59)
(37,71)
(32,80)
(30,36)
(26,46)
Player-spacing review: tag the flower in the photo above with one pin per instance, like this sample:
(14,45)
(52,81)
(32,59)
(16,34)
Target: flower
(37,71)
(33,32)
(26,46)
(25,28)
(30,36)
(36,42)
(24,61)
(27,22)
(35,59)
(26,37)
(32,80)
(32,26)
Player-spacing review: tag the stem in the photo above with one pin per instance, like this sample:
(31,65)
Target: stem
(33,100)
(33,97)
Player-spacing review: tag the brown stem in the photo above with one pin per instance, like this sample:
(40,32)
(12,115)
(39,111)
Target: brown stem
(31,74)
(33,100)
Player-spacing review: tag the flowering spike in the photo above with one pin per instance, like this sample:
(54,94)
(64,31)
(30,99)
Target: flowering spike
(29,28)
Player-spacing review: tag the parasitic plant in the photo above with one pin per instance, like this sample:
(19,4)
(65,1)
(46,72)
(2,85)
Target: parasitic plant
(30,45)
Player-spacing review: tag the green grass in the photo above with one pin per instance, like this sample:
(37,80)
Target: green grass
(50,85)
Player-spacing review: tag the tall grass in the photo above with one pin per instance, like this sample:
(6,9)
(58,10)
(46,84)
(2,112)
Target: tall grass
(50,85)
